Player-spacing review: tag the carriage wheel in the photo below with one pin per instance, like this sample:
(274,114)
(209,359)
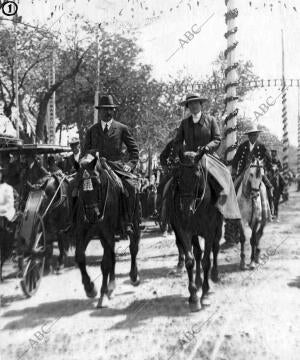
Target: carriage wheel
(34,265)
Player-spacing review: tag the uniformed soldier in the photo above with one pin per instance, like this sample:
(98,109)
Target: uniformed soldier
(107,137)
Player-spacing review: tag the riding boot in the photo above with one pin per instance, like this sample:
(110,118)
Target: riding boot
(126,224)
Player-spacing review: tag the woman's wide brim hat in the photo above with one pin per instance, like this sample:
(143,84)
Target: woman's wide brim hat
(106,101)
(193,97)
(253,129)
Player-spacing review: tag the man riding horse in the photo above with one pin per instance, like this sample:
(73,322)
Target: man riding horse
(200,133)
(252,148)
(275,160)
(71,162)
(107,138)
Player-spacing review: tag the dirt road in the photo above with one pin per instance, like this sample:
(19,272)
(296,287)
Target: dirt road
(253,315)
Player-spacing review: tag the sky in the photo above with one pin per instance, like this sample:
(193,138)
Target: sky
(160,29)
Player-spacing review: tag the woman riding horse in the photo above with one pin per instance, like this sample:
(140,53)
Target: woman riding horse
(203,193)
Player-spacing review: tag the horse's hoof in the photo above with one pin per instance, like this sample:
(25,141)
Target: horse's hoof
(164,234)
(59,268)
(243,265)
(252,265)
(195,305)
(111,287)
(135,282)
(205,301)
(102,302)
(91,293)
(214,275)
(180,268)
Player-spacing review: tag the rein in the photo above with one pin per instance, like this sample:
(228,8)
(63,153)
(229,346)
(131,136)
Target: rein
(197,199)
(96,205)
(53,197)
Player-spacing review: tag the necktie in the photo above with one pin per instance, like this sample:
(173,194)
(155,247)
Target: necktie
(105,129)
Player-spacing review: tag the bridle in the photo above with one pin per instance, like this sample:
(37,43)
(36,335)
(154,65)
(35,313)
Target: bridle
(95,205)
(194,195)
(253,190)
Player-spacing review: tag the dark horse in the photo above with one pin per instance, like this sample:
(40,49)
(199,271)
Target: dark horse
(99,213)
(57,209)
(193,214)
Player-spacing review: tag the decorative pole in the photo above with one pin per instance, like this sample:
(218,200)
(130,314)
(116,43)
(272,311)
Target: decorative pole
(298,149)
(97,74)
(231,82)
(285,138)
(231,111)
(51,103)
(16,75)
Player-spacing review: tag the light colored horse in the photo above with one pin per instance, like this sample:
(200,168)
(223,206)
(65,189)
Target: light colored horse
(254,208)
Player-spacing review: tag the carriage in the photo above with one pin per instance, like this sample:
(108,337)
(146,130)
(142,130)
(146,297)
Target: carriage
(27,232)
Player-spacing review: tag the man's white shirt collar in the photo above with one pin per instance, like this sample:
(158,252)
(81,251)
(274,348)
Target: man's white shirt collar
(76,156)
(196,118)
(103,123)
(251,146)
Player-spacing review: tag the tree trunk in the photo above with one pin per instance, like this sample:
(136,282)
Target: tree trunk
(41,119)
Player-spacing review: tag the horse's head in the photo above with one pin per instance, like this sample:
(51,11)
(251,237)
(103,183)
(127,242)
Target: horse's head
(254,176)
(91,179)
(190,180)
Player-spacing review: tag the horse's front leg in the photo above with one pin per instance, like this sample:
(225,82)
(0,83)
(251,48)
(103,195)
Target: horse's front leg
(81,245)
(62,252)
(112,276)
(134,248)
(108,269)
(206,267)
(242,236)
(253,246)
(259,235)
(198,255)
(180,264)
(189,264)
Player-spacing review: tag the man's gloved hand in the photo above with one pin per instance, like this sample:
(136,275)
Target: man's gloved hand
(203,150)
(127,168)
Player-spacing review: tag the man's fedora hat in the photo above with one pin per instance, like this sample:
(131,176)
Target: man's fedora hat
(106,101)
(74,141)
(193,97)
(253,129)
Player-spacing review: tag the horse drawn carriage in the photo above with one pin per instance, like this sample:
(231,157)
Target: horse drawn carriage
(23,237)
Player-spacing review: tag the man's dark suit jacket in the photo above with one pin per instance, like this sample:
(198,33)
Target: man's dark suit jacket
(205,133)
(243,156)
(110,145)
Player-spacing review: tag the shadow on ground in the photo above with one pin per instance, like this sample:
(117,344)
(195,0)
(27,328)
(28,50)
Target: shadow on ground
(295,282)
